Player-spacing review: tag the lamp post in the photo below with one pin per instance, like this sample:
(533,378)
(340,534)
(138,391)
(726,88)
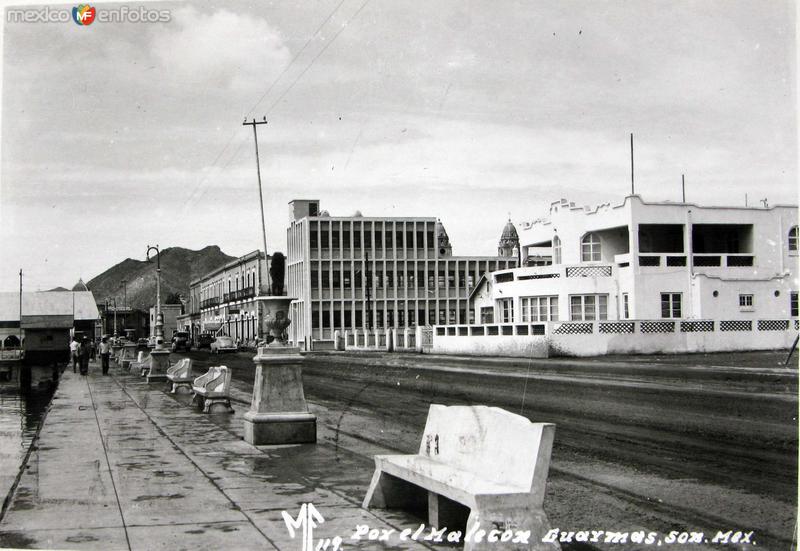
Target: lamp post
(115,317)
(159,331)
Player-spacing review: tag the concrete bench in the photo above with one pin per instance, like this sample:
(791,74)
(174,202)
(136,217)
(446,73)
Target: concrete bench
(180,375)
(213,388)
(486,460)
(142,364)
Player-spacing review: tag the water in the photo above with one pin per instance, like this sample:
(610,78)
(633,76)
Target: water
(22,406)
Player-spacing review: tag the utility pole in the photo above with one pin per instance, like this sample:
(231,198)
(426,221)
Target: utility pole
(683,187)
(20,304)
(633,191)
(369,295)
(124,293)
(254,123)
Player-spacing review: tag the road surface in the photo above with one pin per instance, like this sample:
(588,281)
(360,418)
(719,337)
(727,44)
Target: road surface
(659,443)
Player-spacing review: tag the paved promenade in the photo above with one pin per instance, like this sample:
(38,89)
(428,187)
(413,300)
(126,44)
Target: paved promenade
(124,465)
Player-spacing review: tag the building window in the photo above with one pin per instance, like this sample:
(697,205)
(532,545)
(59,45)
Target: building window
(487,314)
(588,307)
(556,250)
(670,305)
(590,248)
(793,304)
(505,307)
(746,303)
(793,239)
(539,308)
(626,313)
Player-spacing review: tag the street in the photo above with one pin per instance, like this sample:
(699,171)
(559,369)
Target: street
(696,443)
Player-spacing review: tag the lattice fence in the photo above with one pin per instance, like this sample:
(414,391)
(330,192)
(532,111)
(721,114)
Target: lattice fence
(657,327)
(589,271)
(773,325)
(616,327)
(573,329)
(736,325)
(704,326)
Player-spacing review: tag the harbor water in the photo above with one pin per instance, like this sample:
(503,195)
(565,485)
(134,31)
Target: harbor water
(23,403)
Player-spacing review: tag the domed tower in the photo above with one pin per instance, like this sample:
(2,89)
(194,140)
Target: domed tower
(443,247)
(509,241)
(80,286)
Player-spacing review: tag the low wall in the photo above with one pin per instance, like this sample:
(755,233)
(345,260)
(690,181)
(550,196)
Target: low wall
(591,338)
(668,336)
(500,345)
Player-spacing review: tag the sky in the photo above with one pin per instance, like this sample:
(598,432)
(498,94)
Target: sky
(120,135)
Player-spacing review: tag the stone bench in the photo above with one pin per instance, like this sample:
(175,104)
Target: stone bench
(142,364)
(213,388)
(180,375)
(486,460)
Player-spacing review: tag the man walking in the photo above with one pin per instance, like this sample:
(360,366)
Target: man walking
(85,352)
(105,352)
(73,349)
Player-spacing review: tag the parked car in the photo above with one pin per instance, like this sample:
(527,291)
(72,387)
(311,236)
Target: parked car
(181,341)
(223,344)
(205,340)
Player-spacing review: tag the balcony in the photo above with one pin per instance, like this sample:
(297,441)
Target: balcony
(719,260)
(209,303)
(657,260)
(241,294)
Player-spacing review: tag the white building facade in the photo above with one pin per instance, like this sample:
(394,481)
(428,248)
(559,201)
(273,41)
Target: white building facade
(227,300)
(650,261)
(359,272)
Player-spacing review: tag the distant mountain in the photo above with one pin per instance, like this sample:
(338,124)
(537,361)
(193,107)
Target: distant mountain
(179,266)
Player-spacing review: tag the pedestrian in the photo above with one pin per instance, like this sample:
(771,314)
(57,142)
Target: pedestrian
(105,352)
(85,353)
(73,349)
(93,349)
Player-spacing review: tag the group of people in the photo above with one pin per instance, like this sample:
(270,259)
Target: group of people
(84,350)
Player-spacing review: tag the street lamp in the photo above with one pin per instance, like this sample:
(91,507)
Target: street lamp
(159,331)
(114,300)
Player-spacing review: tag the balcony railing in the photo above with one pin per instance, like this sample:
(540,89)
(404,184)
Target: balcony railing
(209,303)
(241,294)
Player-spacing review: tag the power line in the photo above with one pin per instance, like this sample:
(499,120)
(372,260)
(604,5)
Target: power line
(275,81)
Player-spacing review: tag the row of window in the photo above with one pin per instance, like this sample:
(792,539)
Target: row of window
(390,278)
(356,239)
(595,307)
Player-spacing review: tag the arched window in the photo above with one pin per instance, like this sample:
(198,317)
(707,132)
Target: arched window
(793,239)
(556,250)
(590,248)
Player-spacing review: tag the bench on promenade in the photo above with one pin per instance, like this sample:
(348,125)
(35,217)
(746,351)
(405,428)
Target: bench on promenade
(213,388)
(180,375)
(142,364)
(482,463)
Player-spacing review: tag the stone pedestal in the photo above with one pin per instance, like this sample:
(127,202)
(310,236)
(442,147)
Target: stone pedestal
(278,412)
(128,355)
(159,363)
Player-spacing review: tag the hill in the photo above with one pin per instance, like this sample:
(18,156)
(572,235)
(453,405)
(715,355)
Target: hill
(179,266)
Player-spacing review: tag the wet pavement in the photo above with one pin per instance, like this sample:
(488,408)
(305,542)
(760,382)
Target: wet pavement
(121,464)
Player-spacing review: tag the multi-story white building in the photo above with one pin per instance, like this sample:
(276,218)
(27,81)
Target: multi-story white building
(228,299)
(360,272)
(648,261)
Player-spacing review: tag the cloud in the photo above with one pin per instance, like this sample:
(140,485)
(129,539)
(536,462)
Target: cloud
(220,49)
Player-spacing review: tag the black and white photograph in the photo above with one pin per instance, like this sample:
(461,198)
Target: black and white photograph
(327,275)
